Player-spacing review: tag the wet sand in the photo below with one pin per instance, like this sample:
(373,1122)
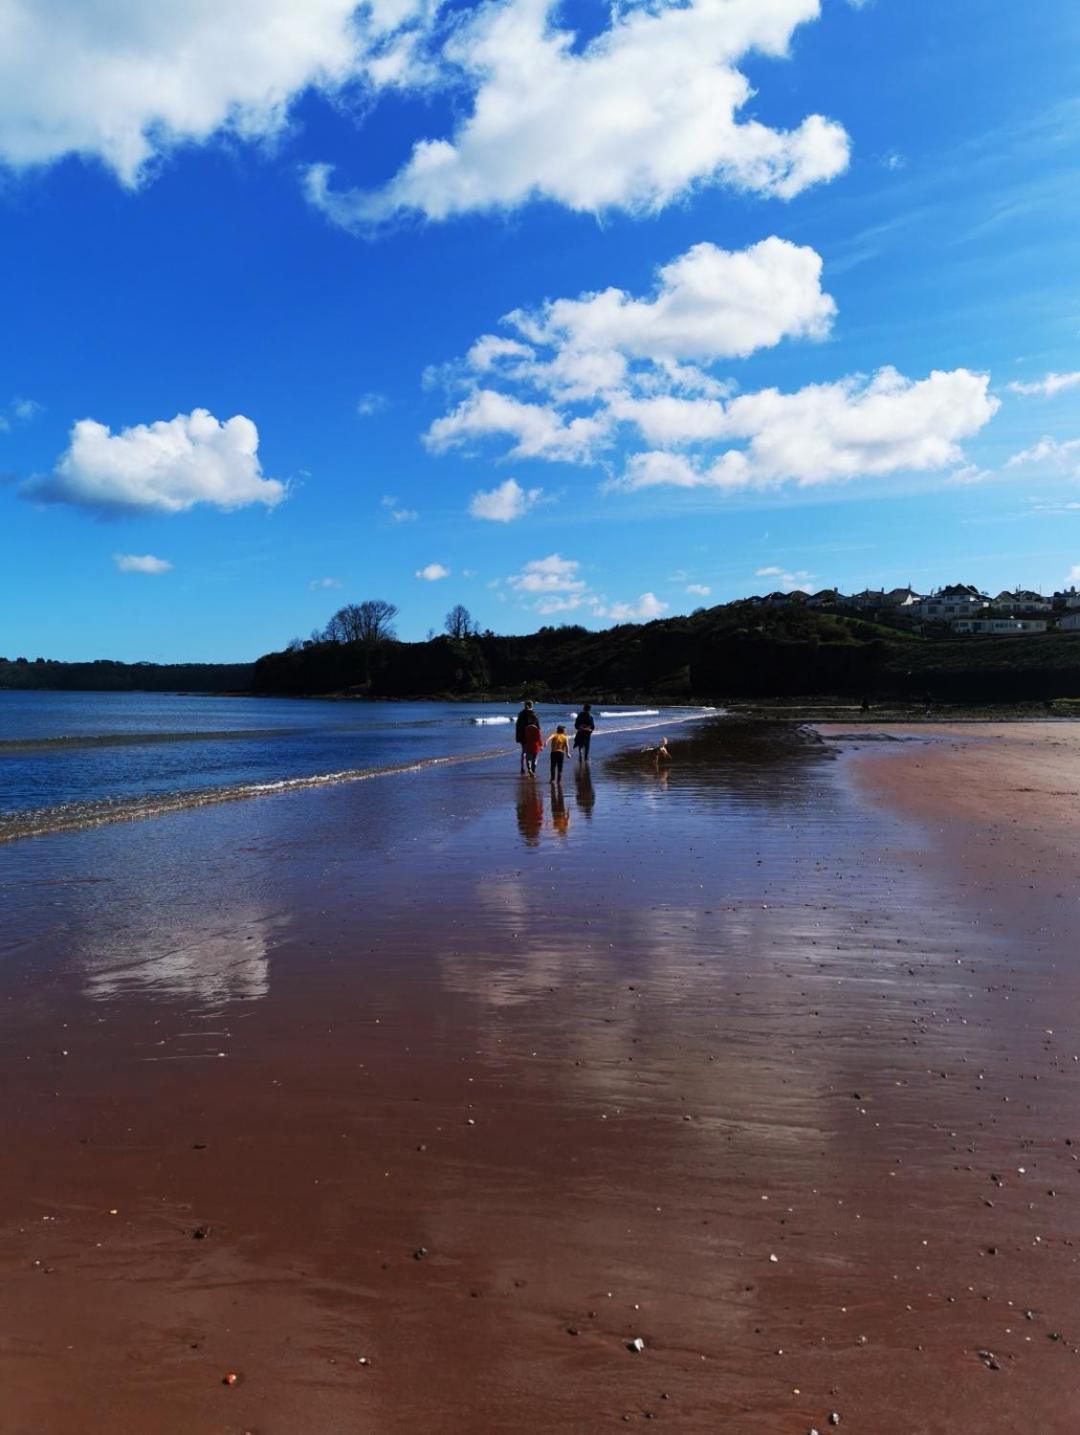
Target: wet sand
(413,1104)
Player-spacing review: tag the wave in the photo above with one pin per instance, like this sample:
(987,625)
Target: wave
(16,745)
(489,721)
(636,712)
(75,816)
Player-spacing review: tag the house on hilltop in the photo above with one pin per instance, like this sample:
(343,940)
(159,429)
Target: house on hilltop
(1020,600)
(958,600)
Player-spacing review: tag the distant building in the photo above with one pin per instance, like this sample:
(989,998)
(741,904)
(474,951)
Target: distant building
(902,598)
(1021,600)
(827,598)
(999,625)
(1070,622)
(784,600)
(868,599)
(960,600)
(1067,599)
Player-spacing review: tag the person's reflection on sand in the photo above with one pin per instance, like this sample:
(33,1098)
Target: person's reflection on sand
(584,790)
(530,810)
(560,813)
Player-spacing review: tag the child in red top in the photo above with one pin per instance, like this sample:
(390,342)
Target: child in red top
(533,743)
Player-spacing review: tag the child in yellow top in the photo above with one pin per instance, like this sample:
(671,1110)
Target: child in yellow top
(560,746)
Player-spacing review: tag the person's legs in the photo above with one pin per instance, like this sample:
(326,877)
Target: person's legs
(556,766)
(586,739)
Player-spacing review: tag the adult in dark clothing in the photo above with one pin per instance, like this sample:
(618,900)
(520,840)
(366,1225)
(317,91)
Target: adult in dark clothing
(526,719)
(584,727)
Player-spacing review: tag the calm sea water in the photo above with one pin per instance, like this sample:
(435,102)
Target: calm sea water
(73,759)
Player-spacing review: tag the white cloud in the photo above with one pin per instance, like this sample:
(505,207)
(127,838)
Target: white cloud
(647,607)
(18,411)
(125,82)
(432,573)
(372,403)
(325,583)
(553,574)
(708,304)
(538,430)
(828,432)
(504,503)
(634,359)
(632,119)
(1047,386)
(396,511)
(698,590)
(163,467)
(140,563)
(1073,575)
(1049,453)
(798,581)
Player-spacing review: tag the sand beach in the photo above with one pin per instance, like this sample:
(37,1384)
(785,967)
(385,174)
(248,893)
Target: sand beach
(414,1104)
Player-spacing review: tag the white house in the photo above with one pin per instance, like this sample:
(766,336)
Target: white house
(999,625)
(960,600)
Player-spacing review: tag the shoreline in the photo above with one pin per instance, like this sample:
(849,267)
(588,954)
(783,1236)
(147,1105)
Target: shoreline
(476,1084)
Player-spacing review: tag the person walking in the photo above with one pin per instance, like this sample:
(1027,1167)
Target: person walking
(560,746)
(532,746)
(526,719)
(584,727)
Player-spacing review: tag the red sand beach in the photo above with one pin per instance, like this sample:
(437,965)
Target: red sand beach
(411,1105)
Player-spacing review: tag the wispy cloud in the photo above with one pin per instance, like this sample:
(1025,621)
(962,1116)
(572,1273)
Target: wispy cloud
(141,563)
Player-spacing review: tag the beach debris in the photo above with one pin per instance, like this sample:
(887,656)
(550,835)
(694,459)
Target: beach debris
(200,1233)
(637,1345)
(362,1360)
(230,1378)
(419,1253)
(775,1259)
(989,1359)
(834,1418)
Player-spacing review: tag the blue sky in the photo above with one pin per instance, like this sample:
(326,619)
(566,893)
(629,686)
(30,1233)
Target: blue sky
(751,348)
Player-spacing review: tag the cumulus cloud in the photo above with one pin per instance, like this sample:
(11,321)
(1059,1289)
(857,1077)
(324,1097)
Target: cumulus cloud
(163,467)
(1049,385)
(633,358)
(140,563)
(553,574)
(647,607)
(826,433)
(707,304)
(432,572)
(126,82)
(632,119)
(504,503)
(537,430)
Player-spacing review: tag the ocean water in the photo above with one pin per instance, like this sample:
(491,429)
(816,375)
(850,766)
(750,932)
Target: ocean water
(70,760)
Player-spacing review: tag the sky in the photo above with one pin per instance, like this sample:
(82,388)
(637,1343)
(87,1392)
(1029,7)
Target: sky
(567,313)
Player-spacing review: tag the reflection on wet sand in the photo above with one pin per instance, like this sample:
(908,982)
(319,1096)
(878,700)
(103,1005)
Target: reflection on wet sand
(213,962)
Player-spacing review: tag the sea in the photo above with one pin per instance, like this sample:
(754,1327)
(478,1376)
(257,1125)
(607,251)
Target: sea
(70,760)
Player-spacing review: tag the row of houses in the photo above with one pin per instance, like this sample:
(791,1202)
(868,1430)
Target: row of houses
(964,608)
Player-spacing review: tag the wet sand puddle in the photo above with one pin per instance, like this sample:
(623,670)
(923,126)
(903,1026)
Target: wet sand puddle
(414,1106)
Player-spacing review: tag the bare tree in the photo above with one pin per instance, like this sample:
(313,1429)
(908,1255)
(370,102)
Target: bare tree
(370,623)
(459,622)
